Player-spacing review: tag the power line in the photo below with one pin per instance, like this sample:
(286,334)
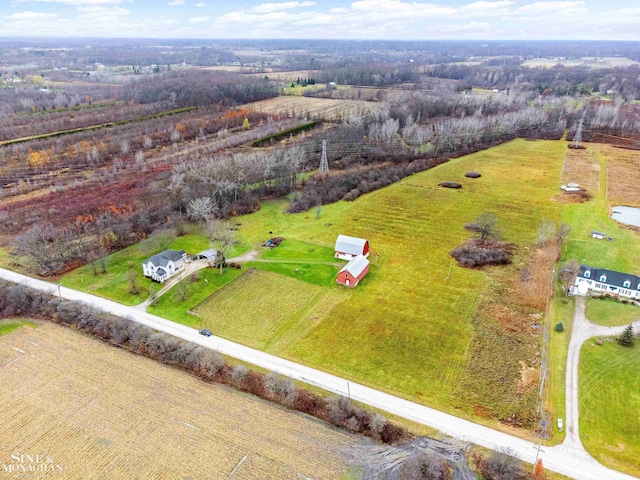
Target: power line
(324,163)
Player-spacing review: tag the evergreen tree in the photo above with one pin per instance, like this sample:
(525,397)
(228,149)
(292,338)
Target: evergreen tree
(627,337)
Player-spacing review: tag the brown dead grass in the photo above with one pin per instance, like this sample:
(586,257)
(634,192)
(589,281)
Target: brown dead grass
(623,174)
(101,412)
(582,167)
(573,197)
(533,287)
(322,108)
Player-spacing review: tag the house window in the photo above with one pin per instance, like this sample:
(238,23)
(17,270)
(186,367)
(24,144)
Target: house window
(587,274)
(626,284)
(603,279)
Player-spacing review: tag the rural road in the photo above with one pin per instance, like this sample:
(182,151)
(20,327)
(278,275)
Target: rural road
(564,459)
(581,331)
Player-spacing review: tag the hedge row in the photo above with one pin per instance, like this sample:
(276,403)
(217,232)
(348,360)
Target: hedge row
(284,134)
(97,127)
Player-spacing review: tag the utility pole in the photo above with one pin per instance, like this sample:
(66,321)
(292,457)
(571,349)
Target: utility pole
(324,163)
(537,454)
(577,138)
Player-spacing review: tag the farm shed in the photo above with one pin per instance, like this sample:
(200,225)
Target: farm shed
(209,255)
(598,235)
(350,247)
(354,271)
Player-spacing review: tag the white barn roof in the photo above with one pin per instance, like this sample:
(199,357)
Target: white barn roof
(356,266)
(351,245)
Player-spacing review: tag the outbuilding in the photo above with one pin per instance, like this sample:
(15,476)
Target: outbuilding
(354,271)
(598,235)
(350,247)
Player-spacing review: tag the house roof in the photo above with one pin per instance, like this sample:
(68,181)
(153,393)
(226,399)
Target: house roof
(161,272)
(351,245)
(613,278)
(356,265)
(162,259)
(208,253)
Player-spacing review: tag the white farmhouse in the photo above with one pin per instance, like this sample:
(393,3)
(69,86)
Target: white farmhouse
(606,281)
(164,265)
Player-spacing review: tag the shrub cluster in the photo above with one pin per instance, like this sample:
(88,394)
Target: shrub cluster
(474,253)
(21,301)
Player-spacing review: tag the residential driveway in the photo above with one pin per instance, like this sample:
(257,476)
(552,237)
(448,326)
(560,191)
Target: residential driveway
(562,459)
(582,330)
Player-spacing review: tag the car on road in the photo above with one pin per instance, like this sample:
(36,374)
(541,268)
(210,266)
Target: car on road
(205,332)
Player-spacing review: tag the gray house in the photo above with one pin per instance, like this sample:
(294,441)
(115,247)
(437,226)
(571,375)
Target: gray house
(164,265)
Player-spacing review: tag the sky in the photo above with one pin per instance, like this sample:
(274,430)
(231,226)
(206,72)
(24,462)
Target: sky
(333,19)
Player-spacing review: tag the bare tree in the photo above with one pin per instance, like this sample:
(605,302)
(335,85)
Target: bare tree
(222,238)
(132,278)
(568,273)
(545,231)
(563,232)
(485,226)
(200,209)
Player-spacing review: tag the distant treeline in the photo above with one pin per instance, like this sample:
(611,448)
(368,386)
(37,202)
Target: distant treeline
(558,80)
(199,88)
(368,75)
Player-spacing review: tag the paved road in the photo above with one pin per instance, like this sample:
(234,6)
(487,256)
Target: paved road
(581,331)
(563,458)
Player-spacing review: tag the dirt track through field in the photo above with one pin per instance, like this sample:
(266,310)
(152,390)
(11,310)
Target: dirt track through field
(101,412)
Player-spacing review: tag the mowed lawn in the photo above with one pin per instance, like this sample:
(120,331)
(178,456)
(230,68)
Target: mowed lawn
(610,312)
(266,310)
(406,328)
(609,404)
(114,284)
(8,326)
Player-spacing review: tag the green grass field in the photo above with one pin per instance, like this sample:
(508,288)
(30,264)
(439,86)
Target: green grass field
(562,309)
(286,311)
(173,307)
(114,283)
(611,312)
(609,404)
(407,329)
(317,274)
(8,326)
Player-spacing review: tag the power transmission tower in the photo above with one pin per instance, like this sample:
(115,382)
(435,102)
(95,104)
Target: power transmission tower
(324,163)
(577,138)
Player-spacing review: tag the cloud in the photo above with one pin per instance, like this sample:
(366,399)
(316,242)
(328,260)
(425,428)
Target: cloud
(197,20)
(275,7)
(80,2)
(200,5)
(548,7)
(175,3)
(29,16)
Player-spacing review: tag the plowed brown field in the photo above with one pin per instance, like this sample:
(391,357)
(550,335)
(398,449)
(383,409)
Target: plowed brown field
(101,412)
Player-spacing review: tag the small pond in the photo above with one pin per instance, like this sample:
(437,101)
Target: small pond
(628,215)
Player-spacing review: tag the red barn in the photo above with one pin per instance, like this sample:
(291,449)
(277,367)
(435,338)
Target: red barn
(354,271)
(350,247)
